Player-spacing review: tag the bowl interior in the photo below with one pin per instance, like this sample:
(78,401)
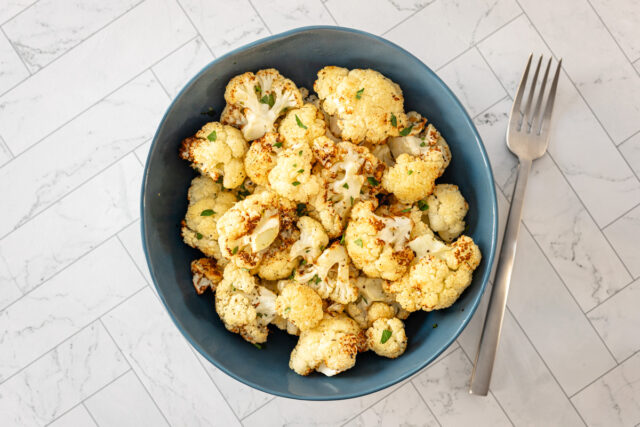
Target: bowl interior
(299,54)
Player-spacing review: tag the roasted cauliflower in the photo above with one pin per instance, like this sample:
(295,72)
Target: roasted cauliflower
(387,338)
(206,274)
(291,176)
(313,239)
(261,157)
(300,305)
(447,209)
(302,125)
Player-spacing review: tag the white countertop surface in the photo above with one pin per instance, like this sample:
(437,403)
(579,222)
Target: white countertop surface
(83,338)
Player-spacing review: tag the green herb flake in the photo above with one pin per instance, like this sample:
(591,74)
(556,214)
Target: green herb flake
(301,209)
(342,240)
(386,334)
(321,248)
(212,136)
(207,212)
(422,205)
(365,299)
(435,325)
(233,288)
(258,89)
(316,279)
(287,310)
(359,93)
(372,181)
(258,346)
(423,144)
(295,165)
(268,99)
(219,180)
(358,242)
(345,185)
(295,183)
(394,121)
(199,236)
(351,200)
(300,170)
(406,131)
(303,262)
(259,314)
(406,210)
(235,250)
(299,122)
(210,112)
(300,153)
(292,275)
(409,172)
(278,144)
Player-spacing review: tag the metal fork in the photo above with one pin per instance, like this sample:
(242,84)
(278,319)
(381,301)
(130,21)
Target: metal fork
(528,138)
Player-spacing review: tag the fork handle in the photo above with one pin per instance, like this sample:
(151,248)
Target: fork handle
(485,358)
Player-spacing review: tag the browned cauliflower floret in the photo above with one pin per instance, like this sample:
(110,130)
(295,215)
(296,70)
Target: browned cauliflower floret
(447,209)
(420,144)
(413,178)
(245,307)
(301,305)
(313,239)
(252,225)
(291,176)
(206,274)
(276,262)
(302,125)
(330,275)
(378,244)
(439,277)
(217,150)
(367,105)
(387,338)
(261,157)
(330,348)
(255,101)
(373,303)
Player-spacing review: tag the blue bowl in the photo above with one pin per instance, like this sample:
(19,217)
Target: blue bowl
(299,54)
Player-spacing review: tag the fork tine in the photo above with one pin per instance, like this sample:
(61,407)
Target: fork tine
(536,112)
(519,94)
(527,108)
(548,110)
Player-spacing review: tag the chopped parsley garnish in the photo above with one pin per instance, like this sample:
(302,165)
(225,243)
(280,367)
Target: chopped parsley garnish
(409,172)
(207,212)
(321,248)
(259,314)
(435,325)
(423,144)
(301,209)
(351,200)
(199,236)
(316,279)
(258,89)
(406,131)
(358,242)
(372,181)
(359,93)
(300,170)
(278,144)
(293,273)
(295,165)
(303,261)
(406,210)
(295,183)
(422,205)
(219,180)
(210,112)
(243,192)
(300,153)
(345,185)
(299,122)
(233,288)
(212,136)
(365,299)
(394,121)
(342,240)
(258,346)
(386,334)
(235,250)
(268,99)
(287,310)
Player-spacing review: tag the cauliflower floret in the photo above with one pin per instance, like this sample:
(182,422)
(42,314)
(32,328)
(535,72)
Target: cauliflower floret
(206,274)
(330,348)
(291,176)
(203,187)
(301,305)
(313,240)
(413,178)
(302,124)
(261,157)
(276,262)
(387,338)
(330,275)
(439,277)
(367,105)
(285,325)
(252,225)
(373,303)
(420,145)
(209,247)
(245,307)
(255,101)
(217,150)
(378,245)
(447,209)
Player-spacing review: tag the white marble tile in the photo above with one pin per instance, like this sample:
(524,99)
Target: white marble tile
(5,154)
(374,16)
(617,320)
(624,235)
(630,149)
(283,15)
(74,225)
(599,174)
(473,82)
(10,8)
(51,27)
(9,291)
(241,398)
(142,152)
(124,403)
(457,26)
(61,379)
(445,388)
(131,238)
(91,71)
(65,304)
(165,364)
(404,407)
(90,143)
(12,70)
(246,26)
(177,69)
(636,65)
(615,398)
(77,417)
(621,18)
(611,87)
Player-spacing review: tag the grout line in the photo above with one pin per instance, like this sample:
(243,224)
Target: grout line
(16,51)
(260,16)
(101,99)
(129,363)
(155,76)
(405,19)
(604,374)
(89,412)
(324,4)
(132,260)
(506,97)
(258,408)
(629,137)
(19,13)
(81,403)
(425,402)
(196,28)
(608,298)
(620,217)
(6,147)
